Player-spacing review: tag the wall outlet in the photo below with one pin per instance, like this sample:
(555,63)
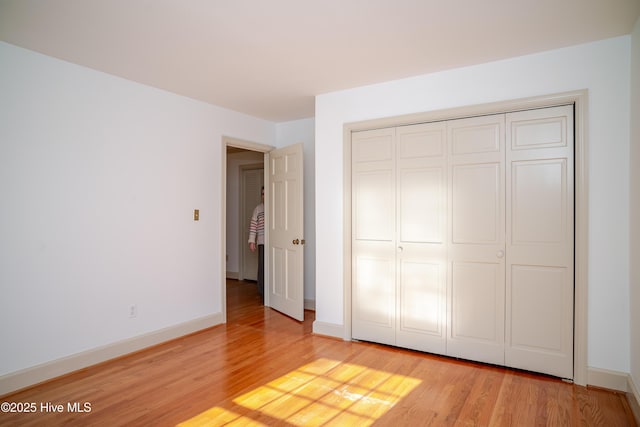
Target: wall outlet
(133,311)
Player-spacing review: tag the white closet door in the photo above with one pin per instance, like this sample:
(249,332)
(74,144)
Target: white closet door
(373,236)
(463,238)
(540,275)
(421,203)
(476,293)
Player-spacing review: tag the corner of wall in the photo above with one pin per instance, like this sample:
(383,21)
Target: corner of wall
(328,329)
(605,378)
(633,397)
(634,214)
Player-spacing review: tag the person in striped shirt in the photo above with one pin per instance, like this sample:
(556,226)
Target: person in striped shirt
(256,239)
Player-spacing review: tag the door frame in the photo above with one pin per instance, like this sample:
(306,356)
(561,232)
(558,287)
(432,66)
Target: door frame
(581,190)
(228,141)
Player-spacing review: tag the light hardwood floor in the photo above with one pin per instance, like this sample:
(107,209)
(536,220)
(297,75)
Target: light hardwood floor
(263,368)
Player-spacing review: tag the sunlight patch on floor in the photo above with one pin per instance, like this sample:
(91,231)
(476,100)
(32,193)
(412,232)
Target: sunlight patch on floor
(324,392)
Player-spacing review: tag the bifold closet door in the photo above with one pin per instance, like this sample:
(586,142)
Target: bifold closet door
(463,238)
(540,244)
(399,236)
(421,205)
(373,237)
(477,232)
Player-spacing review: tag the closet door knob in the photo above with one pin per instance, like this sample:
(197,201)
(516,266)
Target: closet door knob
(500,254)
(296,242)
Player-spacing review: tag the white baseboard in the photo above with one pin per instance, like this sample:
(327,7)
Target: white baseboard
(233,275)
(328,329)
(49,370)
(619,381)
(613,380)
(310,304)
(633,396)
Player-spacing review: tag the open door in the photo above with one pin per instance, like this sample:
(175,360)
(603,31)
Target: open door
(285,239)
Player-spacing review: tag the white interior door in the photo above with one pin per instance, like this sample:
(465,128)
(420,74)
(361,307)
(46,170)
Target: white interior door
(285,239)
(477,249)
(540,248)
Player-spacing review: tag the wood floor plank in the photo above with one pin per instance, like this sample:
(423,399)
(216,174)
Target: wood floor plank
(263,368)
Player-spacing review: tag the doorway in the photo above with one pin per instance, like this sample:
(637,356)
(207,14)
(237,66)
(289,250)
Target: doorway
(239,157)
(284,238)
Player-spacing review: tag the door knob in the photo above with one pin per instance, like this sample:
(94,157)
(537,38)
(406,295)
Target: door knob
(296,241)
(500,254)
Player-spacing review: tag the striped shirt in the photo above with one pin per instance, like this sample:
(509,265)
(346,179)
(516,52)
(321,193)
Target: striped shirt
(256,227)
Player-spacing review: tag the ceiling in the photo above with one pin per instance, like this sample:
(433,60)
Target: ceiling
(269,59)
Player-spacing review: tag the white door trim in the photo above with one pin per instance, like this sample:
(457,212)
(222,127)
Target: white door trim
(228,141)
(580,100)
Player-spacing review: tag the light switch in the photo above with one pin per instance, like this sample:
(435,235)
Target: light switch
(196,214)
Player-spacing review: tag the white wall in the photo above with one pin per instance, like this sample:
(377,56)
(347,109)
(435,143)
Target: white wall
(99,177)
(602,68)
(635,206)
(303,131)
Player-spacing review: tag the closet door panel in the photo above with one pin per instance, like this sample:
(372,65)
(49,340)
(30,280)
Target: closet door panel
(423,141)
(421,203)
(541,128)
(373,236)
(539,208)
(540,248)
(475,136)
(536,290)
(421,297)
(476,253)
(374,215)
(373,309)
(476,204)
